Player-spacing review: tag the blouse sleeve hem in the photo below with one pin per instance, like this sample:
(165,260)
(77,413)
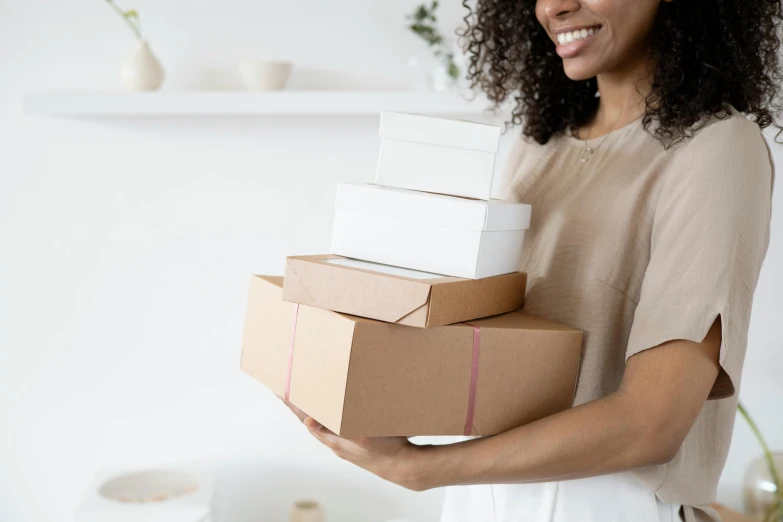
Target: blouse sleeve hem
(690,322)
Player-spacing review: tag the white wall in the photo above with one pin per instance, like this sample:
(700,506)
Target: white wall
(126,245)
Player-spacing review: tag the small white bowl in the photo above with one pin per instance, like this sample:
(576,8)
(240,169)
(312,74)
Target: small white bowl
(180,494)
(265,75)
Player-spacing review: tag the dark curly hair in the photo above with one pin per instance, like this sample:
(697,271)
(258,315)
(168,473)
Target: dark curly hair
(707,54)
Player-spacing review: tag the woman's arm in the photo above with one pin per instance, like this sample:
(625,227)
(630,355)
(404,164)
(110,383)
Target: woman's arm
(643,423)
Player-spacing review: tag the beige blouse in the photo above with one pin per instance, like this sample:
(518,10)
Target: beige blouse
(640,245)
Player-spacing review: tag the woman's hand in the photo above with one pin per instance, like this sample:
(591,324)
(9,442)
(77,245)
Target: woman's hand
(392,458)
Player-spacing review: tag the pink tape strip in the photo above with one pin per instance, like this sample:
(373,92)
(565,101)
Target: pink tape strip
(291,354)
(473,378)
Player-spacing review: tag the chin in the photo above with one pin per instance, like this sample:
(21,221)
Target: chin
(577,71)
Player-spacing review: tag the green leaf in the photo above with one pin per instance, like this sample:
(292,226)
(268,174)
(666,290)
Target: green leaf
(131,14)
(421,30)
(427,33)
(453,70)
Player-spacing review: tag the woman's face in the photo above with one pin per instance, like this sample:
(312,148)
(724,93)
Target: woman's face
(596,36)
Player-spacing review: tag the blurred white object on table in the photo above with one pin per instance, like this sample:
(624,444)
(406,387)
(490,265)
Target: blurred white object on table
(306,511)
(179,494)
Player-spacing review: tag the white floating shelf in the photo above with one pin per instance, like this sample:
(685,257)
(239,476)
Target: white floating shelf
(241,103)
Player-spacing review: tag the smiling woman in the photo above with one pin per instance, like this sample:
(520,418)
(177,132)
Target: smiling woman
(642,156)
(694,56)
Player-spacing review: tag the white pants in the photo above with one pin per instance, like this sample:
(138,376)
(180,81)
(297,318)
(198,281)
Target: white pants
(609,498)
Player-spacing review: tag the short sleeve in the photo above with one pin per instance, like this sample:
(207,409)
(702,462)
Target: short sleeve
(709,238)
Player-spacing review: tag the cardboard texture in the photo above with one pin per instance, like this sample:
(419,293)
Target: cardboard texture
(361,377)
(435,233)
(437,155)
(375,291)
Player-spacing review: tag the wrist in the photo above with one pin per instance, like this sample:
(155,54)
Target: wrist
(432,466)
(420,470)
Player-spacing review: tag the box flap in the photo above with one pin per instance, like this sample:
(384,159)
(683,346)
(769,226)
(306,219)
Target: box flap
(470,298)
(322,353)
(312,281)
(432,209)
(439,131)
(267,326)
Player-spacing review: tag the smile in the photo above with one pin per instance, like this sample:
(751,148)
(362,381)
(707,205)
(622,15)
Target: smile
(574,36)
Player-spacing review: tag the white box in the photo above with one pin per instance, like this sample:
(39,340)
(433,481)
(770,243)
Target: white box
(450,157)
(429,232)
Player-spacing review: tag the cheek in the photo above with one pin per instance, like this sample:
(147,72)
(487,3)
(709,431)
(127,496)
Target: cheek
(631,22)
(627,24)
(540,13)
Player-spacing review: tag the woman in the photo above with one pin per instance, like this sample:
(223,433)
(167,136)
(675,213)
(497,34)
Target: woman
(651,220)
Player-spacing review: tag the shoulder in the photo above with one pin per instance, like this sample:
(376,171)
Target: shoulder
(724,148)
(722,135)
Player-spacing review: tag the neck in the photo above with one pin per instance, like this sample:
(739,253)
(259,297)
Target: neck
(622,95)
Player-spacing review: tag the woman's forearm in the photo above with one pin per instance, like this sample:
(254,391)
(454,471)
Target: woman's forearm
(641,424)
(599,437)
(644,422)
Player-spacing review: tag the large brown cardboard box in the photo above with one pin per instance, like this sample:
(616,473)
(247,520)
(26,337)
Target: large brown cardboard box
(397,295)
(361,377)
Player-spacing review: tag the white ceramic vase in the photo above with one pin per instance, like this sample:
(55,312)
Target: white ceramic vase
(142,71)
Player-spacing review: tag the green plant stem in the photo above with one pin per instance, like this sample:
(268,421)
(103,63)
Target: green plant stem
(767,453)
(120,12)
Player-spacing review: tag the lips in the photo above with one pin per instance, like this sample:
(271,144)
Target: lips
(571,41)
(566,37)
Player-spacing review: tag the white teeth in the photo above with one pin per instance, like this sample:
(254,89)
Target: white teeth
(572,36)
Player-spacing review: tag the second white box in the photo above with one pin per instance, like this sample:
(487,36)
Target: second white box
(438,155)
(429,232)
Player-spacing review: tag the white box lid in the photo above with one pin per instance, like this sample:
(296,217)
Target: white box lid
(434,209)
(439,131)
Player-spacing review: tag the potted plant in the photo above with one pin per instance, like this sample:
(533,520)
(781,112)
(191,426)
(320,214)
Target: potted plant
(422,22)
(141,71)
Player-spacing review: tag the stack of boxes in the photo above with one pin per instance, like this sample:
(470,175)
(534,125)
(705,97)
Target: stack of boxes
(411,326)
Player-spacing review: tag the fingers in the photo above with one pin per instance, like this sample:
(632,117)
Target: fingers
(316,427)
(299,413)
(312,424)
(323,434)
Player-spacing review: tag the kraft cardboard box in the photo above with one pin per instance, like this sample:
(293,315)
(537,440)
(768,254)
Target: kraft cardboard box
(398,295)
(361,377)
(440,155)
(446,235)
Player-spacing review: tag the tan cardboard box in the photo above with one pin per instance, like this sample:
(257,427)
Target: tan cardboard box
(361,377)
(397,295)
